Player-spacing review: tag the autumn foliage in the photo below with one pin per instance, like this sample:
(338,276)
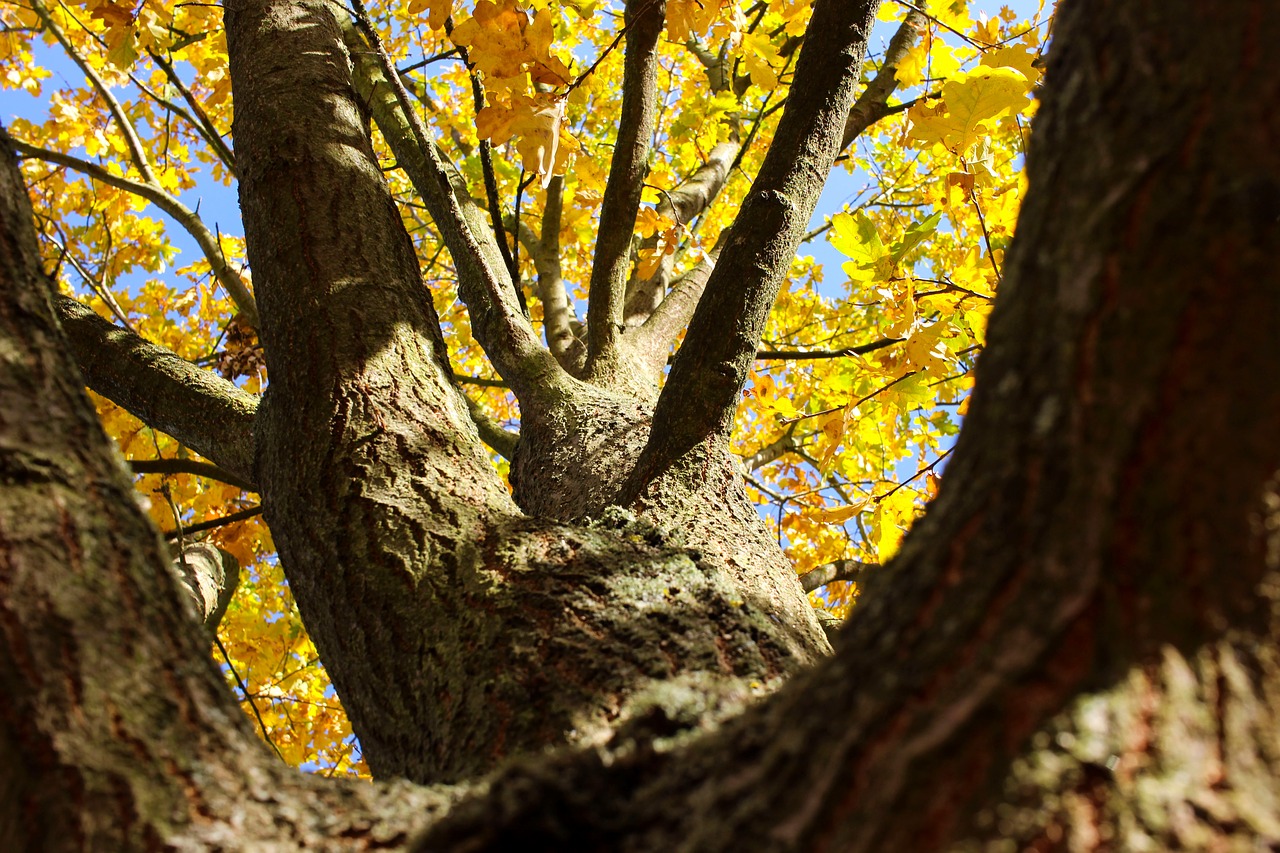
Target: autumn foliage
(864,376)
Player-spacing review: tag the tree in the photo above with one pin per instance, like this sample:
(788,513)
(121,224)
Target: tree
(1076,646)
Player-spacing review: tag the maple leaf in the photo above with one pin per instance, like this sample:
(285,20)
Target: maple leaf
(968,103)
(538,141)
(438,11)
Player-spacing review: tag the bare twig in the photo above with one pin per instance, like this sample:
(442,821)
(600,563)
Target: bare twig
(840,570)
(811,355)
(190,466)
(248,697)
(214,523)
(215,140)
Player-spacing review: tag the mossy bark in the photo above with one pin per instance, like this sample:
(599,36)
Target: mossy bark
(457,631)
(1075,649)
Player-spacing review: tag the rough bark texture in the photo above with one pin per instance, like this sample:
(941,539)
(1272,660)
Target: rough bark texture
(214,417)
(1107,540)
(1075,649)
(627,169)
(116,731)
(439,611)
(700,395)
(210,576)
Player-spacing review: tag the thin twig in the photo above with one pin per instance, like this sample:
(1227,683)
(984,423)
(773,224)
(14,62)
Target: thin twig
(231,518)
(986,237)
(189,466)
(811,355)
(244,688)
(926,469)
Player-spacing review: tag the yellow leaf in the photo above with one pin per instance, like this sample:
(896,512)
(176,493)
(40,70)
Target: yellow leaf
(759,58)
(113,16)
(837,515)
(539,137)
(895,514)
(585,10)
(540,35)
(650,262)
(1018,57)
(440,12)
(494,123)
(924,351)
(648,222)
(123,53)
(967,103)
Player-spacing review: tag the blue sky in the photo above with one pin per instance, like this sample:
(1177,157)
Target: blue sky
(220,209)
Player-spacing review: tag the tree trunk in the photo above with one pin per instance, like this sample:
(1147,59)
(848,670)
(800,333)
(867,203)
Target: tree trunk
(1076,648)
(456,631)
(116,731)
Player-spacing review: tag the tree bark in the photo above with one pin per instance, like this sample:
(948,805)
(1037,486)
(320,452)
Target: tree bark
(169,393)
(1077,647)
(393,529)
(116,731)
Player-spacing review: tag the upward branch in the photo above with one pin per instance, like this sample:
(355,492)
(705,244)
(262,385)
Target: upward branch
(137,154)
(701,393)
(682,204)
(873,104)
(484,280)
(626,178)
(557,311)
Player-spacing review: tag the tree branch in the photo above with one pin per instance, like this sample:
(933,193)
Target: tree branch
(189,466)
(701,393)
(484,283)
(840,570)
(136,153)
(181,112)
(630,163)
(203,411)
(772,451)
(210,576)
(716,64)
(873,104)
(185,217)
(219,145)
(500,440)
(483,382)
(682,204)
(812,355)
(558,316)
(215,523)
(672,314)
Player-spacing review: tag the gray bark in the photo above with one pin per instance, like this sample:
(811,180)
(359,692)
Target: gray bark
(393,529)
(701,392)
(213,416)
(627,169)
(1076,647)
